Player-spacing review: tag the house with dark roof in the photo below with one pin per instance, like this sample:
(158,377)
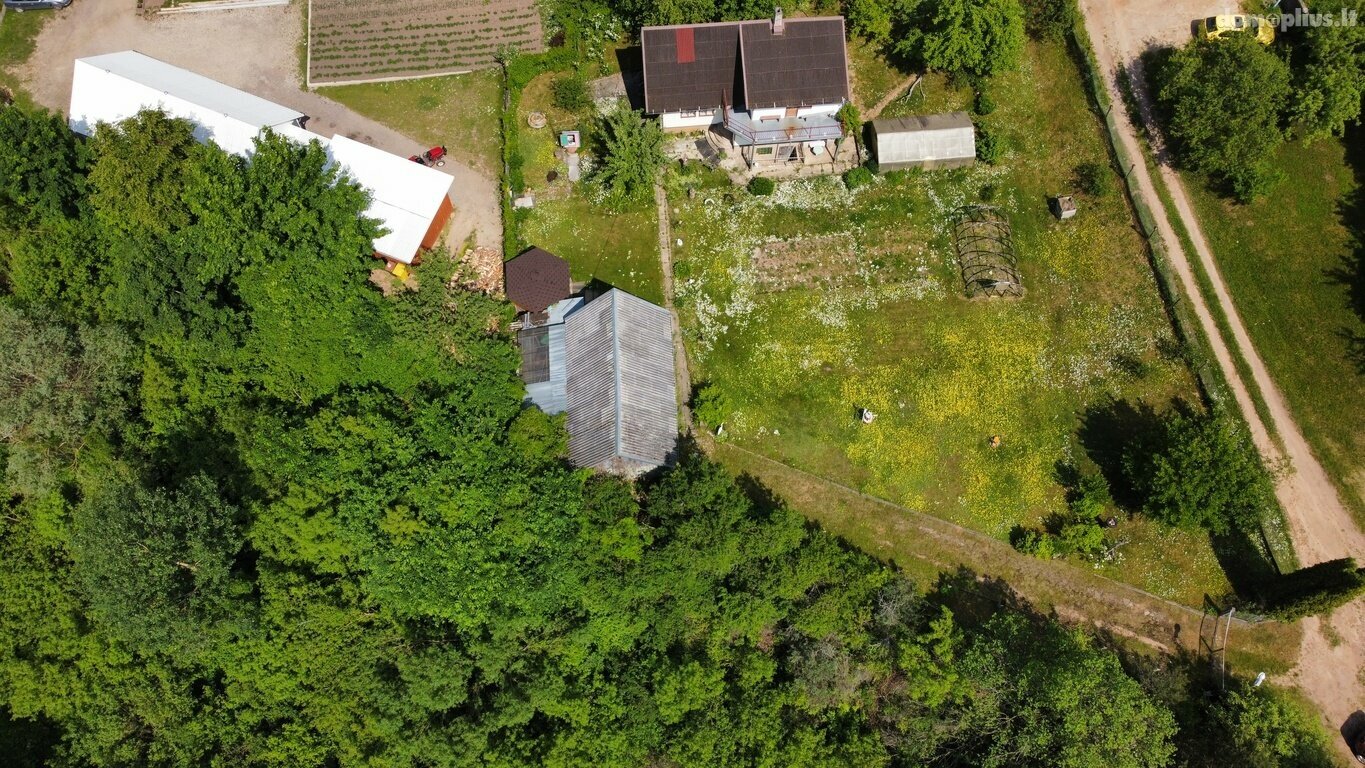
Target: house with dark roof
(773,85)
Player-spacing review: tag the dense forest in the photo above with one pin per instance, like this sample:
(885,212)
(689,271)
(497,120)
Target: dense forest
(258,514)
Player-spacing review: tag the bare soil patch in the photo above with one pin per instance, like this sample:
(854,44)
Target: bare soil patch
(360,40)
(807,261)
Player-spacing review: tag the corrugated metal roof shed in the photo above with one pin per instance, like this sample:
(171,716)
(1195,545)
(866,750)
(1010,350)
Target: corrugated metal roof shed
(552,393)
(622,394)
(934,141)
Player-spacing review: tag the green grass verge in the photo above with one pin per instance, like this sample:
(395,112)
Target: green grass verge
(1293,263)
(873,75)
(459,111)
(620,248)
(1247,557)
(18,36)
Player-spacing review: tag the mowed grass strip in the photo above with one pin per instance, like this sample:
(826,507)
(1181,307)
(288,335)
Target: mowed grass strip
(1294,263)
(616,247)
(808,305)
(459,111)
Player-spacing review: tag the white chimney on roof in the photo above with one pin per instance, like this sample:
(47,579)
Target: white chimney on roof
(779,25)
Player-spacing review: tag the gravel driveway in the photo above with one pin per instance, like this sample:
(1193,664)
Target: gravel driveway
(256,50)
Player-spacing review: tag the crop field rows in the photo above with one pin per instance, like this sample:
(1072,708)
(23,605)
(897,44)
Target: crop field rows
(358,40)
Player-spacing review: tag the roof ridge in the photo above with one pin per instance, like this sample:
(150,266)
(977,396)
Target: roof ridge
(618,448)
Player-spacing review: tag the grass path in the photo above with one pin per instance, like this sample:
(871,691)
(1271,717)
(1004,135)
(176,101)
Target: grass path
(892,95)
(684,379)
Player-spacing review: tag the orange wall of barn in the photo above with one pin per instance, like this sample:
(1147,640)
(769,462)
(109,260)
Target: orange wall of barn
(438,223)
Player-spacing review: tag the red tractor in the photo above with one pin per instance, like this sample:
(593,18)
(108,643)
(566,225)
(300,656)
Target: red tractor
(433,156)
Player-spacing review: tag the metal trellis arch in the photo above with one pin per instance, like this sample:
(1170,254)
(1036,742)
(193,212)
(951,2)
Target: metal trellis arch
(985,251)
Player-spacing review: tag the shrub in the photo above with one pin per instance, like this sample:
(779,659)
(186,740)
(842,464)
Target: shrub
(857,177)
(1084,537)
(632,152)
(987,146)
(1049,19)
(1093,179)
(571,93)
(984,103)
(1200,471)
(761,186)
(851,120)
(1089,497)
(1039,544)
(711,405)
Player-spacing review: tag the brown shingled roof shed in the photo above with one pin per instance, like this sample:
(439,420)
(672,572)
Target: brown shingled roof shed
(536,279)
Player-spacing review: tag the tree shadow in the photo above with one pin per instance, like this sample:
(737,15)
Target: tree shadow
(1245,562)
(1353,731)
(974,597)
(1351,272)
(1107,430)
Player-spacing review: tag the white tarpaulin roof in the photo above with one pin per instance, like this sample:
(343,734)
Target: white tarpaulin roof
(404,196)
(116,86)
(919,138)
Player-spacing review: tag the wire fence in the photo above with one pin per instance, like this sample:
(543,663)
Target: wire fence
(1213,386)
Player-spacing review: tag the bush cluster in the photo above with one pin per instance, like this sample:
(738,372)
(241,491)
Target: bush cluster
(857,177)
(984,104)
(1094,179)
(988,149)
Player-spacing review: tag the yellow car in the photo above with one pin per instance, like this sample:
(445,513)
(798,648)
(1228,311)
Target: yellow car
(1215,27)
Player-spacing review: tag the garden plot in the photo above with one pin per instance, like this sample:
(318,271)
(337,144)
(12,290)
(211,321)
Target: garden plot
(363,40)
(881,323)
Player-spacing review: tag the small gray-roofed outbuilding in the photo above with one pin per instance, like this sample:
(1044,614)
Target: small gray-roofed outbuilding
(622,394)
(924,141)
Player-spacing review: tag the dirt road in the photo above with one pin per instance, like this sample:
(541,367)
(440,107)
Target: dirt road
(256,50)
(1322,528)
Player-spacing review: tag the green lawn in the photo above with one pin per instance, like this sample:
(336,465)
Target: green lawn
(808,305)
(18,33)
(873,75)
(1293,263)
(620,248)
(460,111)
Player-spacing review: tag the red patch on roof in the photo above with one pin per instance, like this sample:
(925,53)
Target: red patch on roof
(687,50)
